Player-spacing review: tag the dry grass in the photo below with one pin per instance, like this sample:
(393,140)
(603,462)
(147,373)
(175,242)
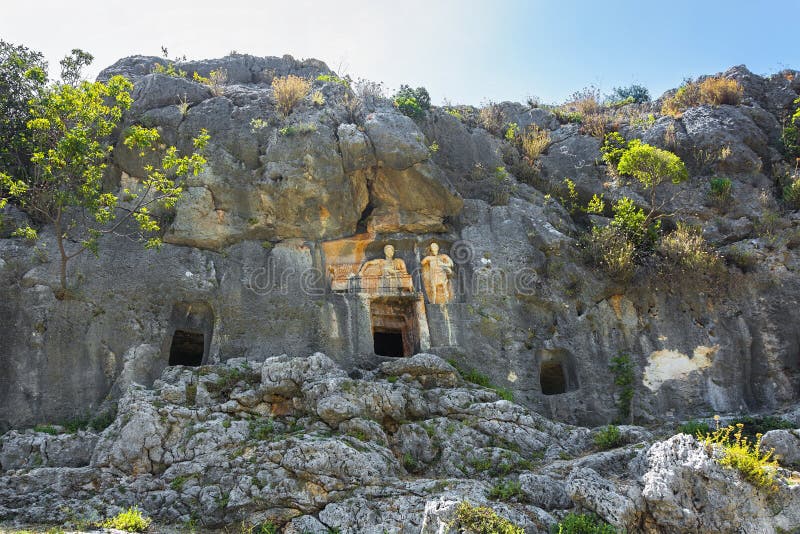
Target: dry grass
(686,248)
(491,118)
(289,90)
(714,91)
(534,142)
(594,124)
(717,91)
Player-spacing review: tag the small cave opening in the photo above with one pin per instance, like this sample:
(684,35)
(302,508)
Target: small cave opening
(389,344)
(187,348)
(552,378)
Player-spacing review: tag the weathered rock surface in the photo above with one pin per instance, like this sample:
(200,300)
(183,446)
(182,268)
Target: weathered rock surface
(296,443)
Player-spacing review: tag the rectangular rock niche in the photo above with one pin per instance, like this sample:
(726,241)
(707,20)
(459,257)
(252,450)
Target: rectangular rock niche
(557,372)
(192,327)
(187,348)
(395,332)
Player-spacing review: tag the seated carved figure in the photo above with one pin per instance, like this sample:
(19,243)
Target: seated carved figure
(387,274)
(437,272)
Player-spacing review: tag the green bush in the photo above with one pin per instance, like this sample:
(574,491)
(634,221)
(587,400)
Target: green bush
(633,93)
(583,524)
(607,437)
(484,520)
(412,102)
(506,491)
(131,520)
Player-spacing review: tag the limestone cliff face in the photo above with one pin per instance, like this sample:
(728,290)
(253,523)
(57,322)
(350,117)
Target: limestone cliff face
(287,201)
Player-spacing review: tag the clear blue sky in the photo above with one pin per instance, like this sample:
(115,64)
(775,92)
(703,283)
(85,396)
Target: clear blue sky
(465,51)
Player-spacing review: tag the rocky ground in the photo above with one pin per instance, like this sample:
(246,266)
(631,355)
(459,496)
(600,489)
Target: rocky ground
(300,444)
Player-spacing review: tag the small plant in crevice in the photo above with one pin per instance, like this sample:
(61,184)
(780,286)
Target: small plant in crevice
(720,190)
(332,78)
(262,429)
(608,437)
(507,490)
(623,371)
(298,129)
(409,462)
(215,81)
(481,379)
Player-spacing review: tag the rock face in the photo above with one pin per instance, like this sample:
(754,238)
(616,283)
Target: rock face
(288,203)
(298,444)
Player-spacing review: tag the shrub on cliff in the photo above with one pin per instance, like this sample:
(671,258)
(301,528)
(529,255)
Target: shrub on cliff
(652,166)
(633,93)
(412,102)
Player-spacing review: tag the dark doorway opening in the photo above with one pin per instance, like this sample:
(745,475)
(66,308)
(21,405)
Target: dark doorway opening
(389,344)
(552,378)
(394,327)
(187,348)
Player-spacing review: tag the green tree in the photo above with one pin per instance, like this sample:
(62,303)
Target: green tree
(652,166)
(72,66)
(70,129)
(23,75)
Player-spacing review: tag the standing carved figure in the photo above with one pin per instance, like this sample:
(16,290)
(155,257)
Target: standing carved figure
(437,272)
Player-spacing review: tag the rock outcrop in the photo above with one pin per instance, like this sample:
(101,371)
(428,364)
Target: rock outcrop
(298,444)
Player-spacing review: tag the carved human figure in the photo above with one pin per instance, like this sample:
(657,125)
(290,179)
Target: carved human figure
(387,273)
(437,272)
